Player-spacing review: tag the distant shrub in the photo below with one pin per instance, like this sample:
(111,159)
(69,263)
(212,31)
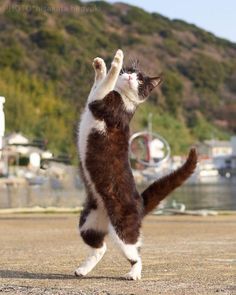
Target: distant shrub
(231,81)
(189,45)
(116,39)
(16,18)
(183,25)
(102,42)
(26,19)
(74,2)
(205,37)
(203,129)
(102,5)
(11,57)
(172,89)
(204,71)
(50,40)
(166,33)
(162,23)
(74,27)
(52,71)
(209,102)
(171,47)
(141,21)
(130,40)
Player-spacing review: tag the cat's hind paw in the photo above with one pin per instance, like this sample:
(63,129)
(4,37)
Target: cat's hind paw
(80,272)
(132,276)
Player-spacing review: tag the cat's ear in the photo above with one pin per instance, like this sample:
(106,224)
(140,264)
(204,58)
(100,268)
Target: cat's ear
(155,81)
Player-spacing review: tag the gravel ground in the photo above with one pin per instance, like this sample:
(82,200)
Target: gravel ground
(181,255)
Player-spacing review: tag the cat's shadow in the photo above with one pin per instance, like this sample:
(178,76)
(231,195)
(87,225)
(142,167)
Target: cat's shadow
(50,276)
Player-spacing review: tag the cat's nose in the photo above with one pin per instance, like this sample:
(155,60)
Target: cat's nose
(130,78)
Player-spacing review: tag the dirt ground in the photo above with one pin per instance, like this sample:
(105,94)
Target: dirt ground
(181,255)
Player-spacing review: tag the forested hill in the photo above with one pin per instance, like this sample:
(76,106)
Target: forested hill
(46,49)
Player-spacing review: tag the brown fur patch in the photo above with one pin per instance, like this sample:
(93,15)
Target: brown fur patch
(108,164)
(132,262)
(90,204)
(107,161)
(93,238)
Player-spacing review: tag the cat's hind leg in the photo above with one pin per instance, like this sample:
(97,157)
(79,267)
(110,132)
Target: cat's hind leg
(131,252)
(95,255)
(93,229)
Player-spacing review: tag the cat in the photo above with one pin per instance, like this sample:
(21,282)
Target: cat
(113,203)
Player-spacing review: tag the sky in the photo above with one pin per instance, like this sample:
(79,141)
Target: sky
(216,16)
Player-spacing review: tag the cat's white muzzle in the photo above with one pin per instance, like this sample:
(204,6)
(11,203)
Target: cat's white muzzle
(128,84)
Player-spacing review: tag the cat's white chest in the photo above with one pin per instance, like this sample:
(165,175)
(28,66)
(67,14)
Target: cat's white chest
(87,124)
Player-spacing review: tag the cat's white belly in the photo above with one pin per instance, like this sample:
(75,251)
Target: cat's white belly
(87,124)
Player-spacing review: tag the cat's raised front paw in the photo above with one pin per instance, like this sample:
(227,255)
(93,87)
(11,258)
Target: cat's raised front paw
(118,59)
(99,64)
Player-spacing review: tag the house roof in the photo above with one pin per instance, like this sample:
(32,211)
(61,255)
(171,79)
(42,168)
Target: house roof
(16,138)
(218,143)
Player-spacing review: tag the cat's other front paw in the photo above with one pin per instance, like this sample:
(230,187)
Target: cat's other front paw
(118,59)
(99,64)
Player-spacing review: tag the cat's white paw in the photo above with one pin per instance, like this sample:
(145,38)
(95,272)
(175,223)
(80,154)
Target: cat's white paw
(119,54)
(133,276)
(99,64)
(80,272)
(118,59)
(135,272)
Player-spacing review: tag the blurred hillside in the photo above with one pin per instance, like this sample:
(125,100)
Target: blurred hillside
(46,49)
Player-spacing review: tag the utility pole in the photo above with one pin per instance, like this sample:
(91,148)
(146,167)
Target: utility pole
(2,124)
(149,136)
(150,115)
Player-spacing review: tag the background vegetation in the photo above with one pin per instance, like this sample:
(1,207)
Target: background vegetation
(46,49)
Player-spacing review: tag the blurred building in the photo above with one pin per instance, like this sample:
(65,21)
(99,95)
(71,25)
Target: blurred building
(233,157)
(221,152)
(215,148)
(20,151)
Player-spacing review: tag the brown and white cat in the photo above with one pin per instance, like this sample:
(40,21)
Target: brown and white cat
(113,204)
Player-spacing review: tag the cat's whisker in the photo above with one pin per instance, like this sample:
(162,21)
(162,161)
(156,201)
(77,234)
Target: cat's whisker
(137,64)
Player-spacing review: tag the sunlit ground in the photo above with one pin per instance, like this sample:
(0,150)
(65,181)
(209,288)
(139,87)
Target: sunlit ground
(181,255)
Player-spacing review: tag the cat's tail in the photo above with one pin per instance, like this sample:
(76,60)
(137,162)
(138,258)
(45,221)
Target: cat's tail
(159,189)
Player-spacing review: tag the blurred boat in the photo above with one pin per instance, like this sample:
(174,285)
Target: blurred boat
(205,173)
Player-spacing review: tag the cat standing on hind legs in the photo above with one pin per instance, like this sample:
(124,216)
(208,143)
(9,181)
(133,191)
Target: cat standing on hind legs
(113,204)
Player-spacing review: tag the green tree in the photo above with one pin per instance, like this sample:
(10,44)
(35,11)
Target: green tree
(172,89)
(204,71)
